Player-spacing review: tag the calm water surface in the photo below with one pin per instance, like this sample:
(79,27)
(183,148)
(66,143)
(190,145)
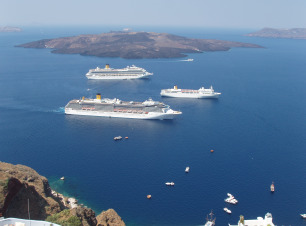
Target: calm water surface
(257,129)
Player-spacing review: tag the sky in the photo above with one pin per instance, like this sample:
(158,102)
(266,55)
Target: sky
(185,13)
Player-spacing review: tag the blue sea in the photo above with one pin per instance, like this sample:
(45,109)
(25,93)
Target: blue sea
(257,129)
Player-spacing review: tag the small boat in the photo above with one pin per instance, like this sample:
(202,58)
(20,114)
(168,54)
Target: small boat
(227,210)
(303,215)
(187,169)
(149,196)
(210,220)
(126,137)
(118,138)
(169,183)
(62,178)
(272,188)
(231,199)
(211,150)
(230,195)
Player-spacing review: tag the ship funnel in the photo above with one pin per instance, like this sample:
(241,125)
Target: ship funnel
(98,97)
(107,66)
(83,98)
(175,87)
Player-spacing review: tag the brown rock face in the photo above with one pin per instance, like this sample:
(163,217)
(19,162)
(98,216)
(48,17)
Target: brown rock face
(109,218)
(20,184)
(87,216)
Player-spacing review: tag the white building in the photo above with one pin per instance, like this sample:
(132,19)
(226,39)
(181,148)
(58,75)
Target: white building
(22,222)
(258,222)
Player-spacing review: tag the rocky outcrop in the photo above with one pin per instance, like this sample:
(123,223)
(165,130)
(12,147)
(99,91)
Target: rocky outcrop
(131,45)
(21,186)
(109,218)
(86,215)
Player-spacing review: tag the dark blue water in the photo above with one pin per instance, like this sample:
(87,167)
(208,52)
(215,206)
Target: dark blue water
(257,129)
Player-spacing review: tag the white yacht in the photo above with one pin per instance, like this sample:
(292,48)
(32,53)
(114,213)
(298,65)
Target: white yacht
(130,72)
(188,60)
(303,215)
(169,183)
(231,199)
(190,93)
(227,210)
(187,169)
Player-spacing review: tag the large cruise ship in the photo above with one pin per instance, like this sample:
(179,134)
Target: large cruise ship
(130,72)
(190,93)
(115,108)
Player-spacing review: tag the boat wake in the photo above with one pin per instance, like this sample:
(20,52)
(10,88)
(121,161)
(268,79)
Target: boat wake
(17,106)
(60,110)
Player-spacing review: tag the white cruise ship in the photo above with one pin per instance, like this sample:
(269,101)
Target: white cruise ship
(130,72)
(190,93)
(115,108)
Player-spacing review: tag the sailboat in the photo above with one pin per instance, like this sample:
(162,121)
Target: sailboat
(210,220)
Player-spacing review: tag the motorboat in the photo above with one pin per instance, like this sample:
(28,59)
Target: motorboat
(187,169)
(272,188)
(227,210)
(118,138)
(303,215)
(231,199)
(230,195)
(169,183)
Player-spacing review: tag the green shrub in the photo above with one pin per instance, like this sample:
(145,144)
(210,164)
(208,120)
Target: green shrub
(63,218)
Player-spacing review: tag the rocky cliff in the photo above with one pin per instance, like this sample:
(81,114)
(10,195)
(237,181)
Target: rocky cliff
(20,185)
(134,45)
(109,218)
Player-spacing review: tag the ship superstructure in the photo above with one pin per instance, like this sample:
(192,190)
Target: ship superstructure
(116,108)
(190,93)
(130,72)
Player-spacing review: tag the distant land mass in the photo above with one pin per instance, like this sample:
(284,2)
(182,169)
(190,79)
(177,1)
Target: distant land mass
(10,29)
(295,33)
(132,45)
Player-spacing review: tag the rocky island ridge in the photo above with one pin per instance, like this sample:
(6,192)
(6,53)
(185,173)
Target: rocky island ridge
(133,45)
(294,33)
(19,183)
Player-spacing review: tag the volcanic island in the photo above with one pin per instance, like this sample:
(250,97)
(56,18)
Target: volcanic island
(134,45)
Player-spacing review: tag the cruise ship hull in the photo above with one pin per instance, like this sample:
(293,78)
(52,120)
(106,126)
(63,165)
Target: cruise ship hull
(149,115)
(116,77)
(191,95)
(107,73)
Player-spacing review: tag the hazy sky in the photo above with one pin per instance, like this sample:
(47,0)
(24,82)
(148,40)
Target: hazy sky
(203,13)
